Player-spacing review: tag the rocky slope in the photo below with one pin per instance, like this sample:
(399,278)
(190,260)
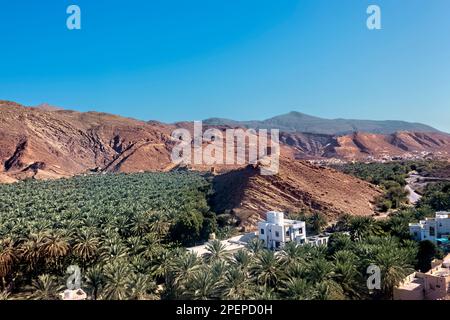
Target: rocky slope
(299,185)
(43,143)
(363,146)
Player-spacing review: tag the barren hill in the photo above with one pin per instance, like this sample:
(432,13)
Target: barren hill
(361,145)
(41,143)
(299,185)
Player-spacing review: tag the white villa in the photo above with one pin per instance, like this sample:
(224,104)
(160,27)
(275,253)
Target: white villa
(276,231)
(435,229)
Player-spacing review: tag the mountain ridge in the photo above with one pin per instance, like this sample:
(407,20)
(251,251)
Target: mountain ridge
(296,121)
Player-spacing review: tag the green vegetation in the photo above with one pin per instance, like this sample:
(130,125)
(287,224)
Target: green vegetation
(389,176)
(299,272)
(117,228)
(437,196)
(127,233)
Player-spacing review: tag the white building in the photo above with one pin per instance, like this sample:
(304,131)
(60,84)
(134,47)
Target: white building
(435,229)
(276,231)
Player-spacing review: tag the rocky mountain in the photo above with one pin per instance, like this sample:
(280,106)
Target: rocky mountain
(48,142)
(300,122)
(43,143)
(298,186)
(365,146)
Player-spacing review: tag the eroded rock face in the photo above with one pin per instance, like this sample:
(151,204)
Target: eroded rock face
(299,185)
(42,143)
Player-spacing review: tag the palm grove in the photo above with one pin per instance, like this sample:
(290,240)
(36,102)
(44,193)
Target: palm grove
(127,233)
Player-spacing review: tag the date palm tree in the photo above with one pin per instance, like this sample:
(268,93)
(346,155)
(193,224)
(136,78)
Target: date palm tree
(216,251)
(45,287)
(346,273)
(85,246)
(291,254)
(183,266)
(32,250)
(117,286)
(55,248)
(297,289)
(236,284)
(140,287)
(394,266)
(255,246)
(241,260)
(202,285)
(266,268)
(95,281)
(8,257)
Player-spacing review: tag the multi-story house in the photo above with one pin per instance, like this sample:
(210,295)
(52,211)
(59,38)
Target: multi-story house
(435,229)
(276,231)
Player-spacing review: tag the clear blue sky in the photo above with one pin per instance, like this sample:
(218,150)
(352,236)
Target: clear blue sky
(173,60)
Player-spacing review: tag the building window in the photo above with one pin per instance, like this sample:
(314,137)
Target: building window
(432,231)
(300,230)
(262,231)
(277,234)
(277,244)
(287,233)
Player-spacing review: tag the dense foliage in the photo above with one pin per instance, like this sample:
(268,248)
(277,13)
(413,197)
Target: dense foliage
(390,176)
(437,196)
(116,227)
(337,271)
(127,233)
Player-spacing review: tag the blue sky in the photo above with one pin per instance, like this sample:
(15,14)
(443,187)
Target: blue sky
(174,60)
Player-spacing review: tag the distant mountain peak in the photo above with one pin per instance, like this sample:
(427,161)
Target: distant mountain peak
(47,107)
(296,121)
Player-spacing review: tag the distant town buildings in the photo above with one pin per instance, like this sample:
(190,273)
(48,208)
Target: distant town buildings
(432,285)
(435,229)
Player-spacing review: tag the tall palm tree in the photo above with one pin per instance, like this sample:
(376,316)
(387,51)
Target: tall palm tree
(140,286)
(266,268)
(242,260)
(216,250)
(85,246)
(321,275)
(297,289)
(45,287)
(236,284)
(202,285)
(116,280)
(291,254)
(32,250)
(95,281)
(55,248)
(183,266)
(8,257)
(255,246)
(361,227)
(346,273)
(394,266)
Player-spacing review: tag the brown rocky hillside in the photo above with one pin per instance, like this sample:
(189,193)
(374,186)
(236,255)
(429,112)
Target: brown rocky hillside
(299,185)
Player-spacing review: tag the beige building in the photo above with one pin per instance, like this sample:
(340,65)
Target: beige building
(432,285)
